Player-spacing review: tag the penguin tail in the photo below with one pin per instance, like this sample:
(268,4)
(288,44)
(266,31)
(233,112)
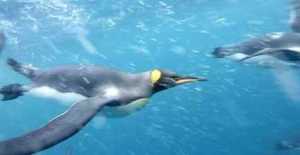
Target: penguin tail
(25,70)
(11,92)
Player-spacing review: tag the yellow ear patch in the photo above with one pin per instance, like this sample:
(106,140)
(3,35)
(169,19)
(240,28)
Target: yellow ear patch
(155,76)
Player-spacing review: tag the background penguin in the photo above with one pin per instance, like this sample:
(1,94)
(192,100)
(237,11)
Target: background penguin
(2,41)
(282,47)
(288,145)
(100,88)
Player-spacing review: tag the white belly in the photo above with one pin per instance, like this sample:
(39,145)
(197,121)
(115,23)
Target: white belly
(70,98)
(237,56)
(64,98)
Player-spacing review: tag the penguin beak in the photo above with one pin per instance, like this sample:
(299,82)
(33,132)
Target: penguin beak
(188,79)
(172,80)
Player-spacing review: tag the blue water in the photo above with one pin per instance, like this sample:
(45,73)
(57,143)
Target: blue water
(241,110)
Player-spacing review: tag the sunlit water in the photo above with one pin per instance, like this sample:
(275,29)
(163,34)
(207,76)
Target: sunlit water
(241,110)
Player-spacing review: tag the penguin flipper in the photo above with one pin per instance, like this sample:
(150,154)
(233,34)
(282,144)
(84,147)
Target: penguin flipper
(265,51)
(25,70)
(57,130)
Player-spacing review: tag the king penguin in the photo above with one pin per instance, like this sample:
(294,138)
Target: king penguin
(2,41)
(277,48)
(98,88)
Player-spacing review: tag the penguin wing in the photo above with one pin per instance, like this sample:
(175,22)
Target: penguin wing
(57,130)
(295,15)
(261,52)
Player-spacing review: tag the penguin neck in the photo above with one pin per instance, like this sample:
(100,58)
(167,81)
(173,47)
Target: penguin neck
(142,81)
(143,77)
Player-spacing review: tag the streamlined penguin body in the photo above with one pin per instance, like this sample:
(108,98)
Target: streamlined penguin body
(283,48)
(88,81)
(272,48)
(100,87)
(71,84)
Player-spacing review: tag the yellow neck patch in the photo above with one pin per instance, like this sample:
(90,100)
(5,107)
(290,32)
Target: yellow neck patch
(155,76)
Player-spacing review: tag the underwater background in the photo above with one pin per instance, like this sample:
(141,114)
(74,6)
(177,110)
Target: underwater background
(241,110)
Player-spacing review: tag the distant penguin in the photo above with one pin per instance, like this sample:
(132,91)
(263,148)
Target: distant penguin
(97,87)
(288,145)
(277,47)
(2,41)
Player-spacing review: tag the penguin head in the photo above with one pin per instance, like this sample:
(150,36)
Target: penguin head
(162,79)
(221,52)
(246,47)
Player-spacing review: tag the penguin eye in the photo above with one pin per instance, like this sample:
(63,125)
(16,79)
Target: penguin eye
(155,76)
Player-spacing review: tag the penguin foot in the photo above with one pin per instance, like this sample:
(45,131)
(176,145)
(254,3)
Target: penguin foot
(11,91)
